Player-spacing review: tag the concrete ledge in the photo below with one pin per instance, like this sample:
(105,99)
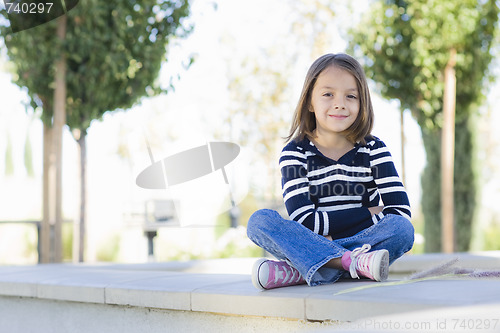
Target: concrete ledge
(474,260)
(167,290)
(40,315)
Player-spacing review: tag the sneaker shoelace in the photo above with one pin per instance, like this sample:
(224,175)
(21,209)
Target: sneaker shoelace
(359,262)
(283,273)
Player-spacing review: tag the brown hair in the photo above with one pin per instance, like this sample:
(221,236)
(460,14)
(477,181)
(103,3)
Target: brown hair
(304,121)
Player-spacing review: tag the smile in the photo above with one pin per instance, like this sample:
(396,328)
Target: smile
(337,116)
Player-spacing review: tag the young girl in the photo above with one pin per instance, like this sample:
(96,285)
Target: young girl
(334,174)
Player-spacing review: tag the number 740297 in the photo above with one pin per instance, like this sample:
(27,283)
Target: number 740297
(28,8)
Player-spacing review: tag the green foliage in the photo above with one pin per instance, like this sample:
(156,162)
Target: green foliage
(431,186)
(235,250)
(28,156)
(465,187)
(405,46)
(110,250)
(30,243)
(114,51)
(222,224)
(67,241)
(490,238)
(9,159)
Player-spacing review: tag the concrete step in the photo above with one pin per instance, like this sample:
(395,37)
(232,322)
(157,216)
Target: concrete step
(202,295)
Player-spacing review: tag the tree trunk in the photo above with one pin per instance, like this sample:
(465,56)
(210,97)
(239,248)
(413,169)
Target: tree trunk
(79,227)
(59,121)
(448,157)
(45,236)
(51,237)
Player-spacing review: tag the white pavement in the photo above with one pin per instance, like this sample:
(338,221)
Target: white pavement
(204,295)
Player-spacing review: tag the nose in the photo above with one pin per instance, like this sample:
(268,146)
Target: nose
(338,104)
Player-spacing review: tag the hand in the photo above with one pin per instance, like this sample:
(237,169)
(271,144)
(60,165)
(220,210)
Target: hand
(375,210)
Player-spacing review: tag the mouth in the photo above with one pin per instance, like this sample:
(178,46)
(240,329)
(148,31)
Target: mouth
(337,116)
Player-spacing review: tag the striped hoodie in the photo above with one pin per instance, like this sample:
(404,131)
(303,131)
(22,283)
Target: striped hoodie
(331,197)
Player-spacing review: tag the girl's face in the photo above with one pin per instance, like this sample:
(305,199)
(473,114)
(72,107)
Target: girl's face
(334,101)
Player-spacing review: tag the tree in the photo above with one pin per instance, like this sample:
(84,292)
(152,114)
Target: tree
(406,46)
(262,84)
(112,53)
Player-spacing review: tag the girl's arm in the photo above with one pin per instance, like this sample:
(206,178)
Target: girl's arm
(389,185)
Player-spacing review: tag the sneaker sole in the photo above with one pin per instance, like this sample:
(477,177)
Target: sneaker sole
(382,273)
(255,273)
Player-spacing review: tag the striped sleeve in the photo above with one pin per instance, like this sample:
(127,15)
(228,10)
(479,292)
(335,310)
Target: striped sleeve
(389,185)
(300,205)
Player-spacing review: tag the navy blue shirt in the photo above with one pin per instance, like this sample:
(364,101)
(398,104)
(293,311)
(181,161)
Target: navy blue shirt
(332,197)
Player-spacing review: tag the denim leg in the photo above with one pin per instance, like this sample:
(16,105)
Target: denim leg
(289,240)
(308,252)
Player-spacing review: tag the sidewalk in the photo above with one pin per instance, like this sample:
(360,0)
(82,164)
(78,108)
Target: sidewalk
(218,295)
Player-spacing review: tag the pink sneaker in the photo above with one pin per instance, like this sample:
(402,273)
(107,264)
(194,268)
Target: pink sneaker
(373,265)
(269,274)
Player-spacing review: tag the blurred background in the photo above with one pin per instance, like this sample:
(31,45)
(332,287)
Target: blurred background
(231,70)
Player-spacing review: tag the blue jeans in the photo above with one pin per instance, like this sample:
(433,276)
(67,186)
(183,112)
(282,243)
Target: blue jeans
(308,252)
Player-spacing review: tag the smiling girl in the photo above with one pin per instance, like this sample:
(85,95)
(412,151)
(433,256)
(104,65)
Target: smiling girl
(349,213)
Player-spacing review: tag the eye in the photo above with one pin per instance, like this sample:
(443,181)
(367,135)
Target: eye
(352,96)
(328,94)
